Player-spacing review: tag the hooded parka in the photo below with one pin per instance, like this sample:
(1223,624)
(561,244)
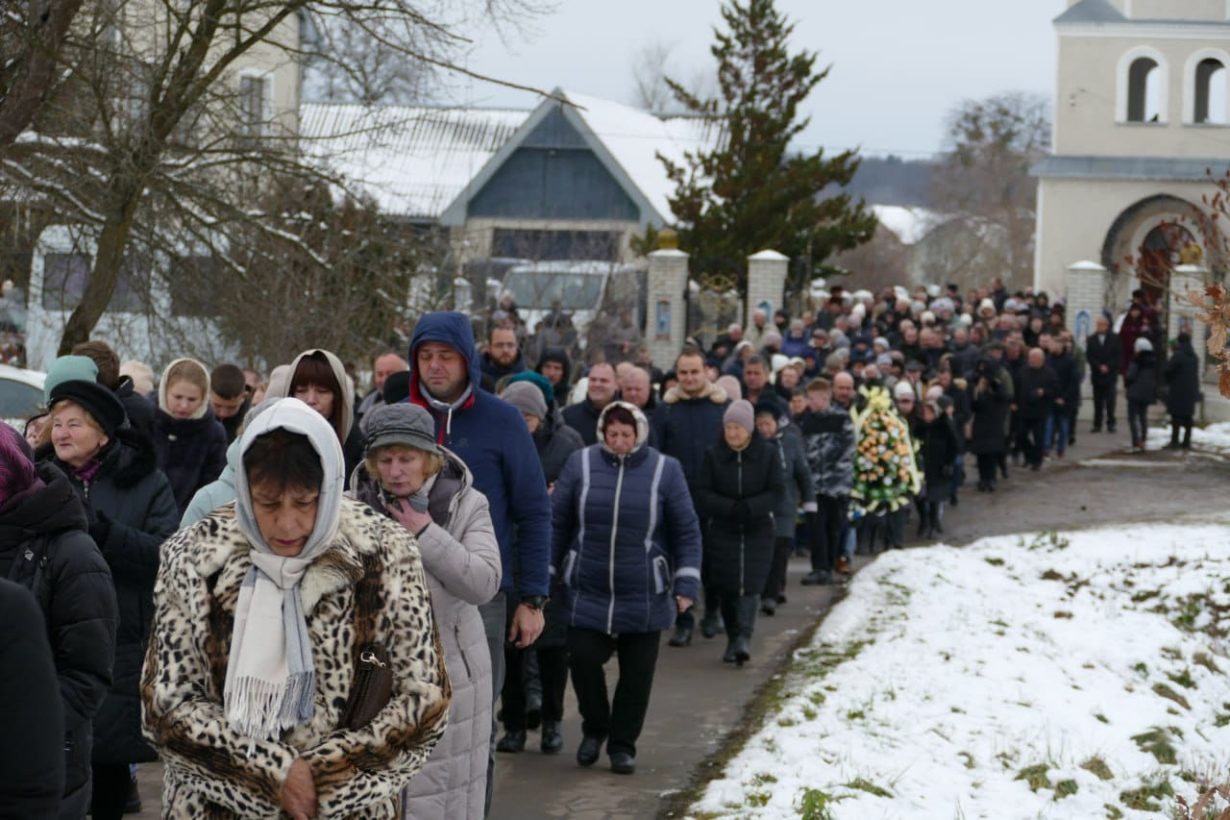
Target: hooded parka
(462,561)
(131,511)
(45,547)
(625,540)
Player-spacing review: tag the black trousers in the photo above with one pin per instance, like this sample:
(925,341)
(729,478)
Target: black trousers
(621,719)
(112,785)
(775,583)
(1034,431)
(1104,405)
(826,531)
(1184,422)
(1138,421)
(552,671)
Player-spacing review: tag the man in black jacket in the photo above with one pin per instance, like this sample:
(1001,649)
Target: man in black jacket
(601,391)
(1035,397)
(1058,428)
(1103,352)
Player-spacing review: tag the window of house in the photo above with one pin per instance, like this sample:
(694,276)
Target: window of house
(253,108)
(541,245)
(65,276)
(1210,90)
(1145,89)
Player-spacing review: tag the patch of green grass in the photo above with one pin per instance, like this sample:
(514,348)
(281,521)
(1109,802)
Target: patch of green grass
(758,800)
(1203,659)
(864,785)
(1051,575)
(1035,776)
(1141,668)
(763,779)
(1098,768)
(1101,717)
(786,723)
(967,759)
(1162,690)
(956,710)
(814,804)
(1143,799)
(856,714)
(1156,742)
(1065,788)
(809,713)
(1002,624)
(817,698)
(1064,615)
(1144,595)
(995,562)
(1172,653)
(1183,678)
(1112,813)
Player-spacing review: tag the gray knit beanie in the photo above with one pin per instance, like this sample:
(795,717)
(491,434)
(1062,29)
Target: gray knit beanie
(405,424)
(526,397)
(741,413)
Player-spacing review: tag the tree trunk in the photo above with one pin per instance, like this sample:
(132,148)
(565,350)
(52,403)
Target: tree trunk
(33,84)
(107,260)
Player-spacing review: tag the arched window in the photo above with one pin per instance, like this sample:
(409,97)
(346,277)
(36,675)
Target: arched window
(1142,87)
(1144,93)
(1206,100)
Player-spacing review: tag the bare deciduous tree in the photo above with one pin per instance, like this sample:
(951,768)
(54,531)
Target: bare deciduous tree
(31,38)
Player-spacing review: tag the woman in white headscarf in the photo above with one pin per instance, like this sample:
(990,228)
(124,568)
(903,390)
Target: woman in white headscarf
(271,615)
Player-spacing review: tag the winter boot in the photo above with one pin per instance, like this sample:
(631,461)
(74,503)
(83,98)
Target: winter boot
(742,645)
(711,624)
(937,515)
(729,655)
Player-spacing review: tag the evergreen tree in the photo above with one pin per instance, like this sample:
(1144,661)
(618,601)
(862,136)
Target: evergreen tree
(751,192)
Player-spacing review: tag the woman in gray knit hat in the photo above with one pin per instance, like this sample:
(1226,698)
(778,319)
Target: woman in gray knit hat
(407,476)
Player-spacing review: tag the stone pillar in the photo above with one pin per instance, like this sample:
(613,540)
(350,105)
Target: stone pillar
(666,314)
(766,283)
(1183,314)
(1085,297)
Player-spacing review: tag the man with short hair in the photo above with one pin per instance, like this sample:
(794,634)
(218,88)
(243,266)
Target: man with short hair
(384,365)
(635,388)
(756,385)
(503,355)
(229,397)
(1103,353)
(1035,396)
(843,391)
(601,391)
(491,438)
(686,424)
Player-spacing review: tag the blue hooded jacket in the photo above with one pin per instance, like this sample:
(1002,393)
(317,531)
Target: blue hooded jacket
(490,436)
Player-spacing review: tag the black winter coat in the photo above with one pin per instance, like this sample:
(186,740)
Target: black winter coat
(132,511)
(31,743)
(736,495)
(583,417)
(1068,375)
(555,441)
(1098,353)
(1182,381)
(937,441)
(45,547)
(191,453)
(990,407)
(139,410)
(1140,379)
(685,428)
(1036,405)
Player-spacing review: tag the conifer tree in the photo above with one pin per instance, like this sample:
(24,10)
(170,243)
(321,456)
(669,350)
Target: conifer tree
(753,191)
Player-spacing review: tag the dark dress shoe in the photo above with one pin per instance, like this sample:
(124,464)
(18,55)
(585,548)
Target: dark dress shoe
(622,763)
(533,712)
(512,742)
(588,751)
(682,636)
(552,740)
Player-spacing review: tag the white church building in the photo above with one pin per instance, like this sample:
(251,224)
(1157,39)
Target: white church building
(1142,118)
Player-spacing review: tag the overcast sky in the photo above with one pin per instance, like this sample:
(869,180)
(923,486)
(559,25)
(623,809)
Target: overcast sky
(898,65)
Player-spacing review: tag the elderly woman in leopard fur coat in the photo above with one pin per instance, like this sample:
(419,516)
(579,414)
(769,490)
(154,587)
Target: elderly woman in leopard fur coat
(262,609)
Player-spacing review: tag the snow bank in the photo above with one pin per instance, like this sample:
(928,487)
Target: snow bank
(1037,676)
(1215,438)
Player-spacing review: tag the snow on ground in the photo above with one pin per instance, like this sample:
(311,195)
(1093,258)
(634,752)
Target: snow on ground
(1214,438)
(1072,675)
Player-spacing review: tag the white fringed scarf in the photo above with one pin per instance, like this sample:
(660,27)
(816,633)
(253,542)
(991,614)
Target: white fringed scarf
(270,676)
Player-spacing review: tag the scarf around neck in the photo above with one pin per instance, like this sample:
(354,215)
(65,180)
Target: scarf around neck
(270,676)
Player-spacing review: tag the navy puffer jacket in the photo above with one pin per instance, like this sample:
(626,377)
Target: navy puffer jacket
(625,538)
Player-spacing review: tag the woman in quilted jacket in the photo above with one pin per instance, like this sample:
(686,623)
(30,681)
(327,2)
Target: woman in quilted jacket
(429,491)
(294,667)
(625,545)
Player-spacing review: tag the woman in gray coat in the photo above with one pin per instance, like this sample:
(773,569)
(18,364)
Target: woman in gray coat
(428,489)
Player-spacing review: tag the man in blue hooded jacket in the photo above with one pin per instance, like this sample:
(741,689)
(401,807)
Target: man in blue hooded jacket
(490,436)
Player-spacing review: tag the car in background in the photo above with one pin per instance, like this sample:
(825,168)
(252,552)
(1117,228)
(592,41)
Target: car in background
(21,394)
(582,289)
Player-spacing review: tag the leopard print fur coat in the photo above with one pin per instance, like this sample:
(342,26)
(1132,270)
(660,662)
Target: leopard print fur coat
(209,772)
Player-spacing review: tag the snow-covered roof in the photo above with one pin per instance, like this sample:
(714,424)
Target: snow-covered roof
(634,137)
(414,160)
(908,224)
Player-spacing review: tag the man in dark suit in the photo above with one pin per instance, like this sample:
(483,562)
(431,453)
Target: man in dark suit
(1102,352)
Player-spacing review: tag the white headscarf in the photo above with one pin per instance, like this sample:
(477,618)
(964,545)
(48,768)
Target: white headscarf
(270,677)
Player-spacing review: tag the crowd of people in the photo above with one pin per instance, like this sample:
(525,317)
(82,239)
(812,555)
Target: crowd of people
(308,601)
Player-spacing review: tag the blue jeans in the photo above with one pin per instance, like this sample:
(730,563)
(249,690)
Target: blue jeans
(1057,422)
